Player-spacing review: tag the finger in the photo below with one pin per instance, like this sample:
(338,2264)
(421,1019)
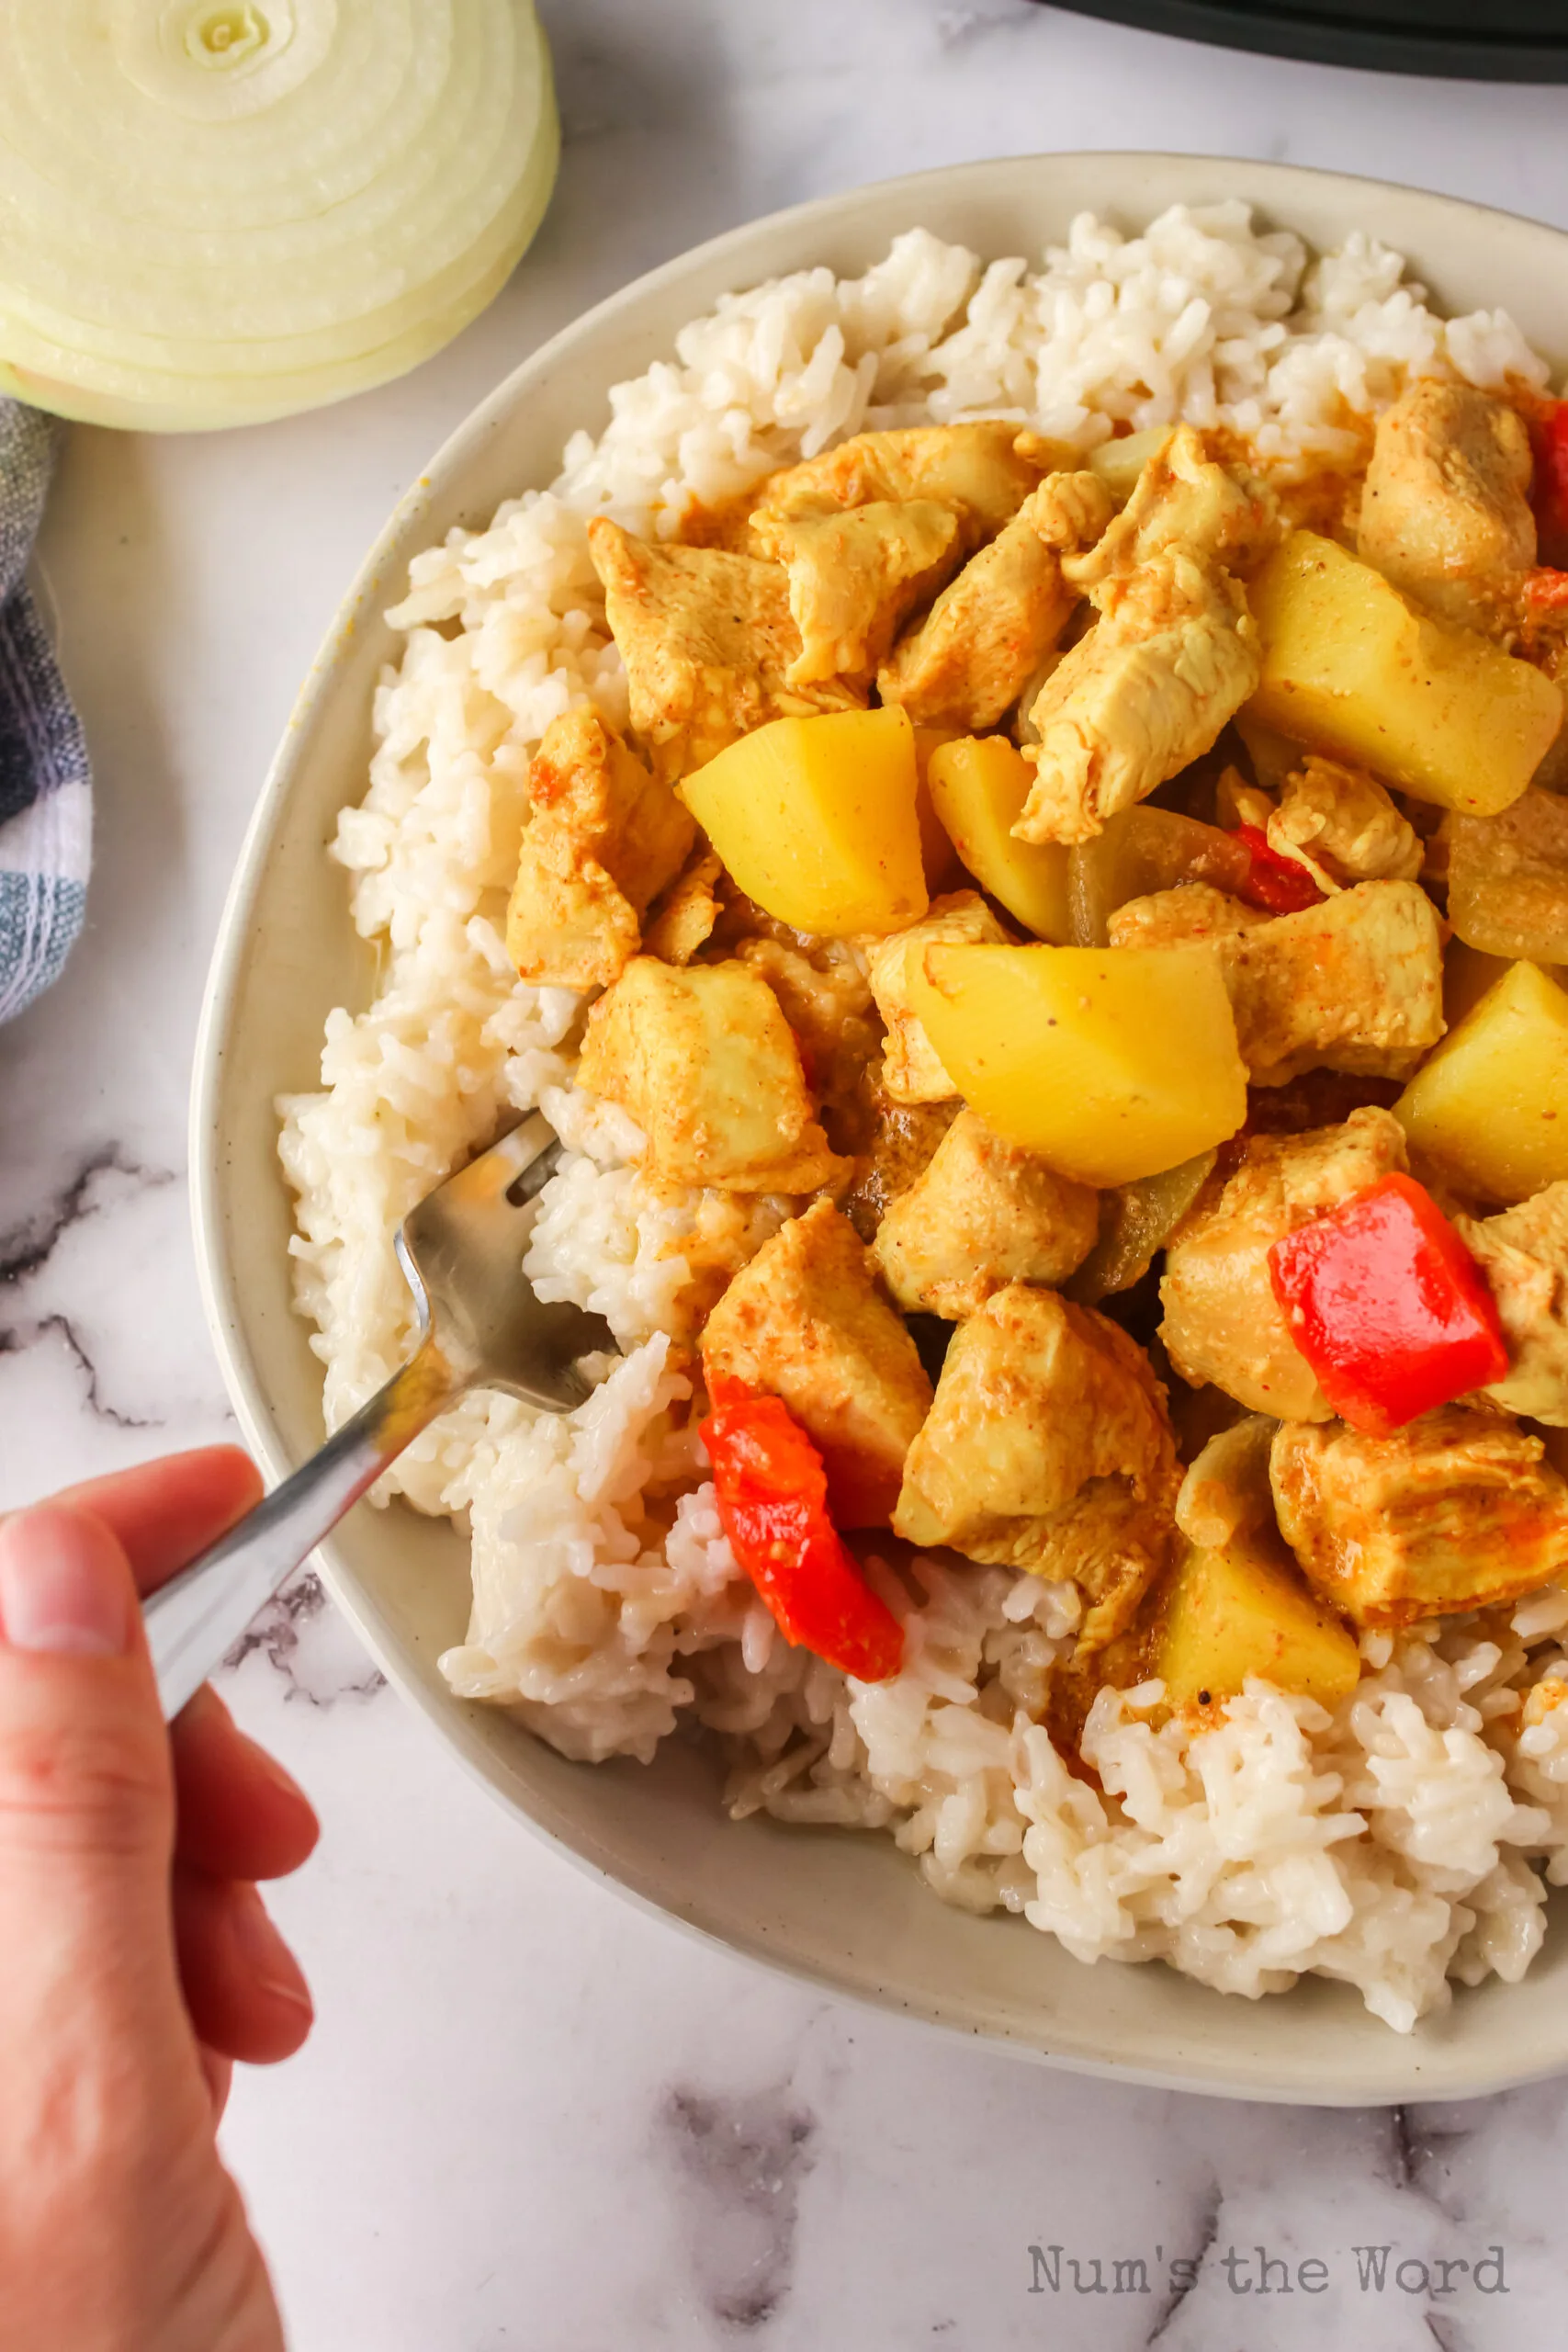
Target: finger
(243,1986)
(165,1512)
(86,1810)
(240,1815)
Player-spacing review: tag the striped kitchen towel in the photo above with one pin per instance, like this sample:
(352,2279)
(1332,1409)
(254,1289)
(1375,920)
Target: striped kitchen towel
(46,802)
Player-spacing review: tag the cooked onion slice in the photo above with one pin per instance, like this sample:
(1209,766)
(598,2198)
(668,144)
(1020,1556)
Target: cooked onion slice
(217,212)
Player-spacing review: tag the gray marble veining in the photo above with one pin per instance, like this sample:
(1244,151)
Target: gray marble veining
(531,2116)
(309,1646)
(739,2163)
(58,1285)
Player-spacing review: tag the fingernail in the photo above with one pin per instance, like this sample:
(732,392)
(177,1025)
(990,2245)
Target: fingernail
(271,1964)
(62,1585)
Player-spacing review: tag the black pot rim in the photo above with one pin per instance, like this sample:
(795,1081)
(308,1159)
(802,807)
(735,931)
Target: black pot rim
(1331,38)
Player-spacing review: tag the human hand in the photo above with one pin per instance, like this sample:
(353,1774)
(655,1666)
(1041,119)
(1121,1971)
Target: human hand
(138,1962)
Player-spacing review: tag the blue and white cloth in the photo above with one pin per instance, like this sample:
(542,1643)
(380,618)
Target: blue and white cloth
(45,800)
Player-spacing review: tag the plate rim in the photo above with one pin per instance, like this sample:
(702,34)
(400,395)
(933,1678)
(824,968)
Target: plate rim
(1266,187)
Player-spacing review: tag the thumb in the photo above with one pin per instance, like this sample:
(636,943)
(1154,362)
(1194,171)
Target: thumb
(87,1798)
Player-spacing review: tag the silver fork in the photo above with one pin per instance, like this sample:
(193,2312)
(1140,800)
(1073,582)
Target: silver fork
(479,1326)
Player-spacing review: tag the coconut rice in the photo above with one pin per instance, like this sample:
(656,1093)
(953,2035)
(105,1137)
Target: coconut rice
(1401,1843)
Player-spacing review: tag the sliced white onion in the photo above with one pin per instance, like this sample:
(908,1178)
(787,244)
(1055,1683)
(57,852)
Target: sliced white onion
(218,211)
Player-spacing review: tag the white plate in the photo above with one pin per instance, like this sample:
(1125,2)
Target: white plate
(845,1911)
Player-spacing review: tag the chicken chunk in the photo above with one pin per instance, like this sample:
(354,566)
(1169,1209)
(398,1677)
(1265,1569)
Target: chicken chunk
(1458,1511)
(979,470)
(1355,984)
(855,578)
(1192,911)
(1508,879)
(984,1214)
(685,918)
(1523,1256)
(1183,500)
(708,641)
(827,1002)
(986,636)
(1047,1448)
(890,1144)
(1237,802)
(603,839)
(1542,1699)
(1173,656)
(1343,827)
(805,1322)
(1226,1496)
(1445,510)
(1048,454)
(912,1071)
(1221,1321)
(704,1061)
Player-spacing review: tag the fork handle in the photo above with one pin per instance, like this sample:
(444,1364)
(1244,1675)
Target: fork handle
(195,1619)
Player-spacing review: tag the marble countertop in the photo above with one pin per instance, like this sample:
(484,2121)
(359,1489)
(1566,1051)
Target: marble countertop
(531,2116)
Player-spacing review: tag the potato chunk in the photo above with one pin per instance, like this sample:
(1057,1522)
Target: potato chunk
(855,578)
(708,641)
(1047,1448)
(1228,1614)
(815,819)
(1458,1511)
(978,786)
(911,1070)
(967,662)
(1355,984)
(1490,1107)
(1172,658)
(703,1060)
(603,839)
(982,1214)
(805,1321)
(1349,669)
(1445,509)
(1523,1256)
(1221,1321)
(1112,1064)
(1508,879)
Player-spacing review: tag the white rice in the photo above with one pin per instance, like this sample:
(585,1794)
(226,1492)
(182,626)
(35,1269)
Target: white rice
(1391,1845)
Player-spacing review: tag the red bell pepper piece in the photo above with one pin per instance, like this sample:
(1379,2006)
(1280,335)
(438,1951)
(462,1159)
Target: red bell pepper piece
(1272,881)
(1388,1306)
(1546,591)
(772,1504)
(1548,442)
